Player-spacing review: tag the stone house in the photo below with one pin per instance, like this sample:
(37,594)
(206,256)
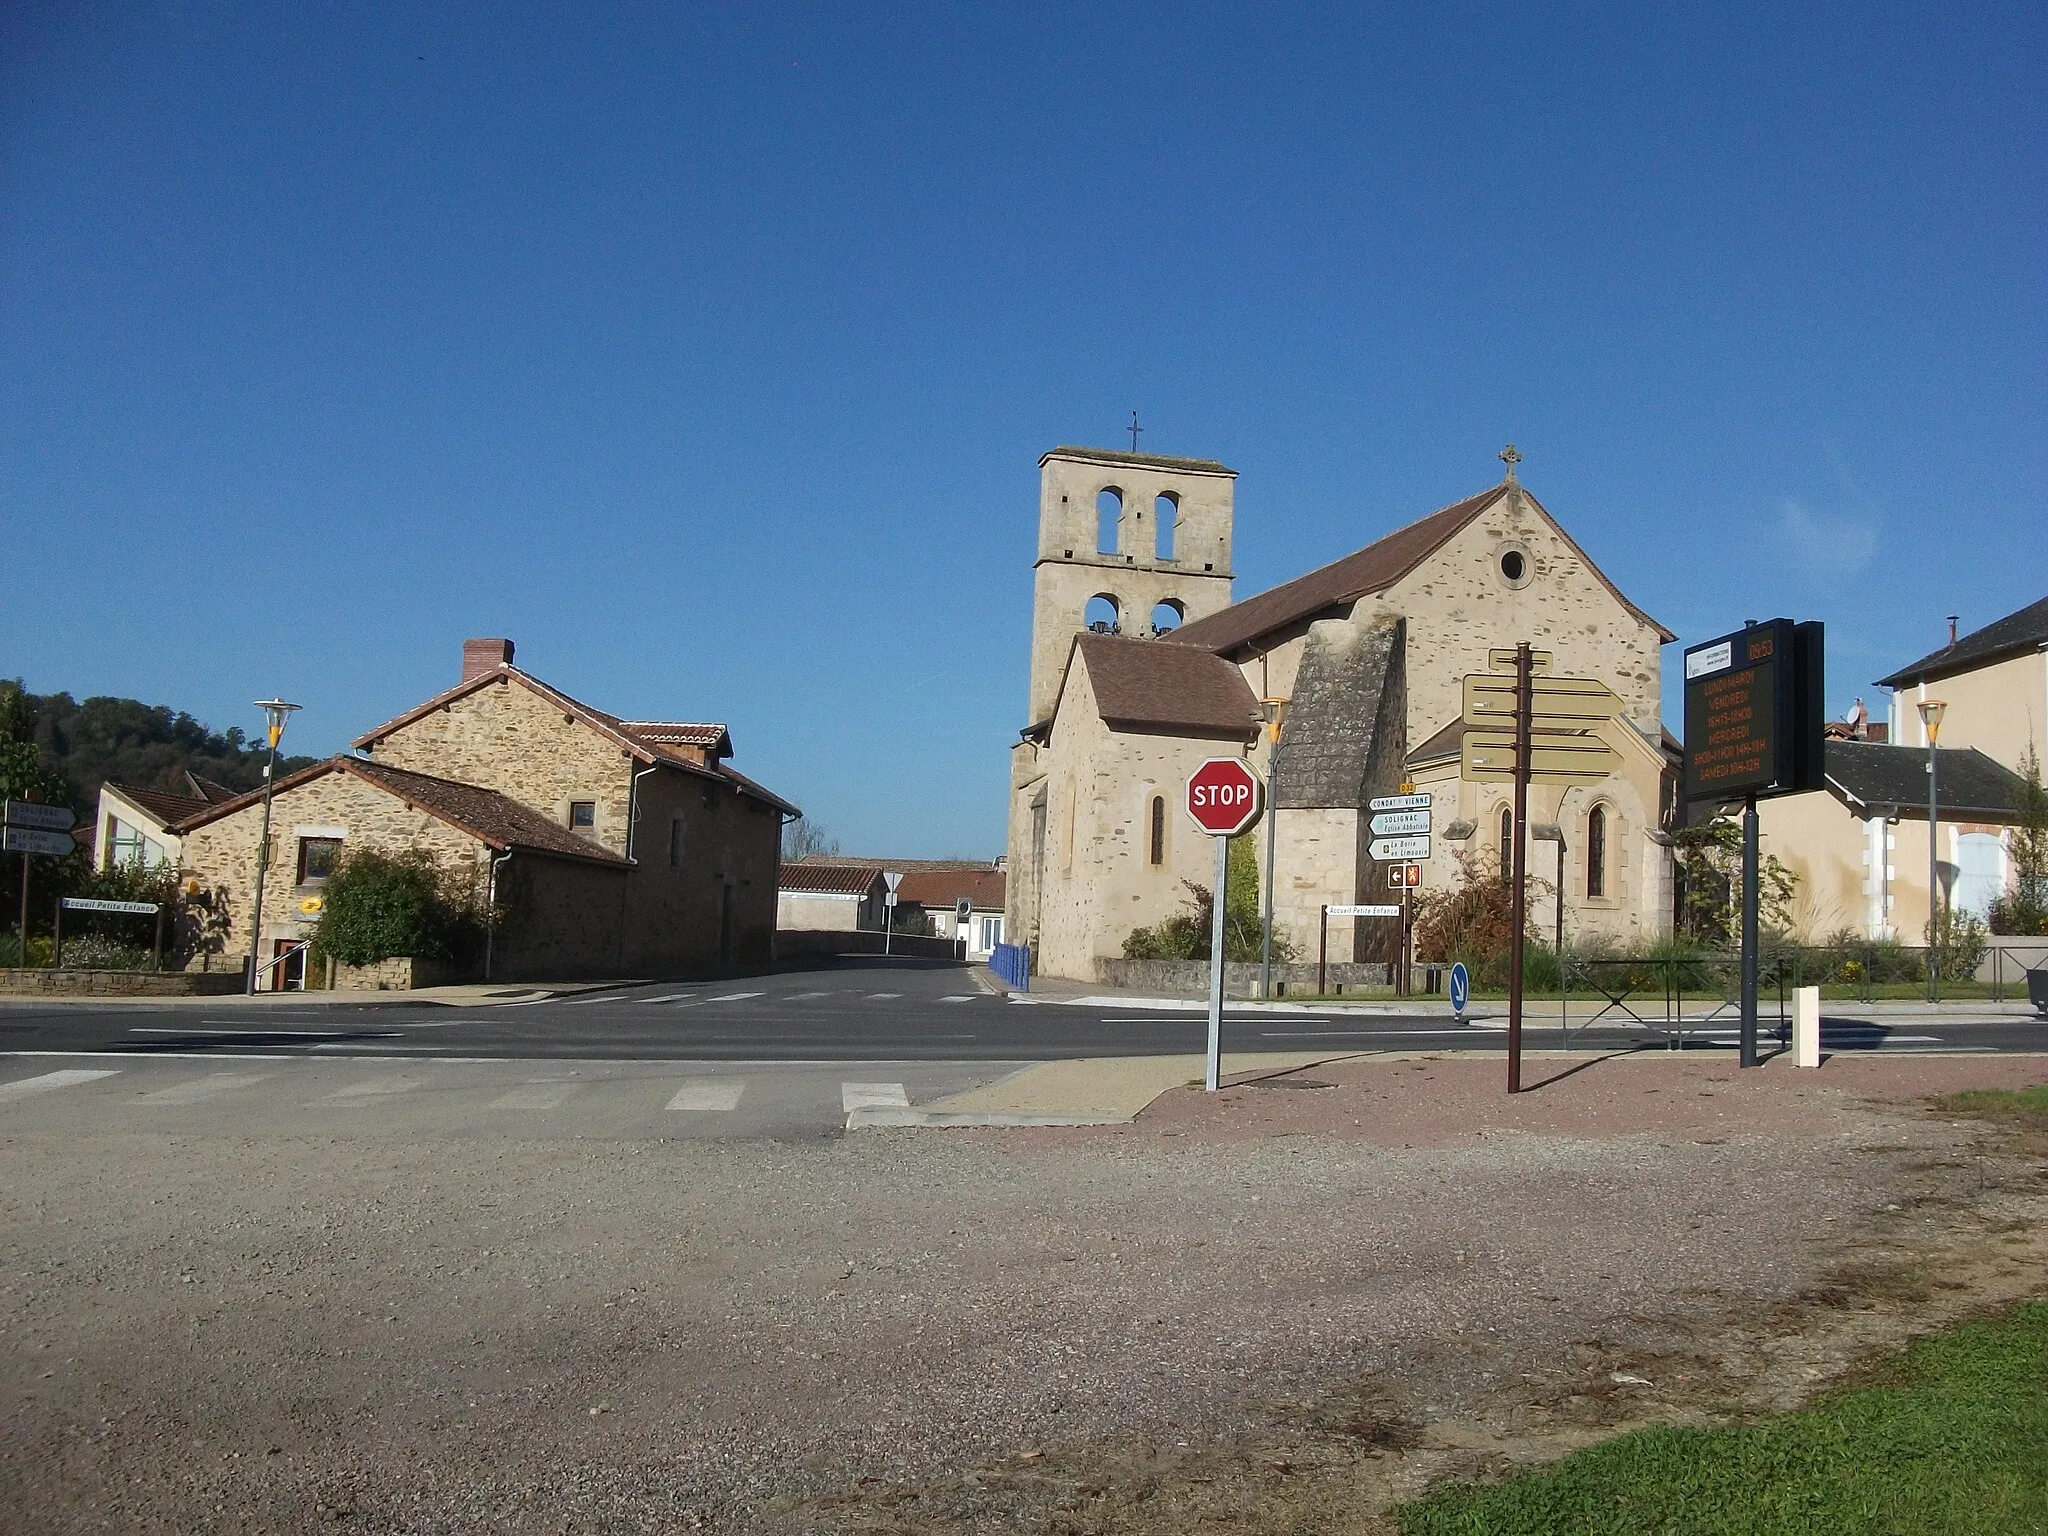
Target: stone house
(1361,661)
(675,852)
(937,887)
(814,897)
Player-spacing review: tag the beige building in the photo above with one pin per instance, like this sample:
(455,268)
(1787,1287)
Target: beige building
(134,825)
(675,852)
(1995,684)
(829,898)
(1363,660)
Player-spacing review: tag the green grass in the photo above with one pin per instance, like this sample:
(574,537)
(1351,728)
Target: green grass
(2024,1107)
(1951,1441)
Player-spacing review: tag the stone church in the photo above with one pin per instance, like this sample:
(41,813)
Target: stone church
(1142,667)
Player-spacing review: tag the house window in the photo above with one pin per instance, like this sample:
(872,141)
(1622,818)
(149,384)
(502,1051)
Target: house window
(125,842)
(582,815)
(1158,847)
(991,933)
(675,842)
(1596,852)
(316,858)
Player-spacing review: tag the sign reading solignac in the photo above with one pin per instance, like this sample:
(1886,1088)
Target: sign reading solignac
(1223,797)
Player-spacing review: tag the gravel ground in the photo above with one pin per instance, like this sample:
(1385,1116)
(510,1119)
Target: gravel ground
(223,1334)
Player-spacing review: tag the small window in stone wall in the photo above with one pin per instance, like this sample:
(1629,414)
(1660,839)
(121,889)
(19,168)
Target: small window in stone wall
(1596,852)
(582,815)
(316,858)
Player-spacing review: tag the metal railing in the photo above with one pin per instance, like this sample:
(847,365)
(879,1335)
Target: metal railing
(1012,965)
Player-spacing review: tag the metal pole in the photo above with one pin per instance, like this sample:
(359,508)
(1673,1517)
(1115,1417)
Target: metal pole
(1272,837)
(1933,872)
(1747,1052)
(57,938)
(1323,952)
(1518,912)
(1564,1019)
(156,948)
(23,956)
(1216,964)
(1407,941)
(262,869)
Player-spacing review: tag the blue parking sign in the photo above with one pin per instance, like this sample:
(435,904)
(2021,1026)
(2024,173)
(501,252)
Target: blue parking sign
(1461,989)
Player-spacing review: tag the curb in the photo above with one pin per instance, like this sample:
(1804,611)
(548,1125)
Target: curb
(908,1119)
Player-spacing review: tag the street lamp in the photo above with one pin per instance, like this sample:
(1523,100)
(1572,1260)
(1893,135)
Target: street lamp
(275,713)
(1930,717)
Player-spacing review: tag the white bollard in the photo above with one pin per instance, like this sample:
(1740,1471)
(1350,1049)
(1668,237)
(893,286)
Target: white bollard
(1806,1026)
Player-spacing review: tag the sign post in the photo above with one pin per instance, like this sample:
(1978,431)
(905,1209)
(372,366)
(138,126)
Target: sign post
(891,879)
(1753,705)
(28,828)
(1223,798)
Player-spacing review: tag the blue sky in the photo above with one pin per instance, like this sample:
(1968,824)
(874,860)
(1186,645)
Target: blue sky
(709,351)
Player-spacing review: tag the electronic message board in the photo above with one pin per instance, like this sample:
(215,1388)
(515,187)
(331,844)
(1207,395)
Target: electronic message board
(1753,712)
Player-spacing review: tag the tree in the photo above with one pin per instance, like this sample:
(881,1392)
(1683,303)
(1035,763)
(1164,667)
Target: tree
(1709,859)
(383,906)
(2024,908)
(806,839)
(1184,935)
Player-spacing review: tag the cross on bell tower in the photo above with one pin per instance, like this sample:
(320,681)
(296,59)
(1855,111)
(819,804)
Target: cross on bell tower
(1134,429)
(1509,457)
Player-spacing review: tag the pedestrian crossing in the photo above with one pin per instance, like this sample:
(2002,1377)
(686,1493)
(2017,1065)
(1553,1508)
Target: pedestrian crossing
(323,1095)
(704,999)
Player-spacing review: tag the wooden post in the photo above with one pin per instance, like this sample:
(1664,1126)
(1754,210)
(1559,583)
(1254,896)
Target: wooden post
(156,948)
(1519,909)
(1323,951)
(57,938)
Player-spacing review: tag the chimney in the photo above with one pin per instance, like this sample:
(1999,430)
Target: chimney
(1952,630)
(483,656)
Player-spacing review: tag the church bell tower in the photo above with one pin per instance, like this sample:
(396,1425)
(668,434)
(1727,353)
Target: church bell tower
(1131,543)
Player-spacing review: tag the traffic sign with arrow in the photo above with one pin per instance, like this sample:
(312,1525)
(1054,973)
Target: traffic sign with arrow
(1555,757)
(41,818)
(1393,823)
(1399,849)
(1573,702)
(28,840)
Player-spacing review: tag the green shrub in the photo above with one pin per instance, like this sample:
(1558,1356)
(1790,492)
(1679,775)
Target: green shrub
(1184,935)
(383,906)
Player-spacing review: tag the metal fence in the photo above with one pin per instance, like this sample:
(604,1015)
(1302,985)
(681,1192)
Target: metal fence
(1012,965)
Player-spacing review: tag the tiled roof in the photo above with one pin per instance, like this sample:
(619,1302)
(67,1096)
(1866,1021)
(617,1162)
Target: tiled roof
(682,733)
(828,879)
(649,741)
(942,887)
(1139,460)
(163,805)
(2014,635)
(1149,684)
(1372,569)
(1448,742)
(486,815)
(1973,787)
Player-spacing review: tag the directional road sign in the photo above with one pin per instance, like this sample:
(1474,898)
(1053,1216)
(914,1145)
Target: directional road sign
(1461,989)
(1381,910)
(1488,757)
(88,904)
(1400,803)
(1400,848)
(1223,796)
(1394,823)
(41,818)
(1570,702)
(1405,877)
(29,840)
(1504,660)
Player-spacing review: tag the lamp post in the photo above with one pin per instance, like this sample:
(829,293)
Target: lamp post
(1930,718)
(275,713)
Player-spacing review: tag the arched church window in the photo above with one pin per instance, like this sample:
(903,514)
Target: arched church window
(1167,617)
(1109,520)
(1165,524)
(1507,841)
(1158,841)
(1102,616)
(1596,851)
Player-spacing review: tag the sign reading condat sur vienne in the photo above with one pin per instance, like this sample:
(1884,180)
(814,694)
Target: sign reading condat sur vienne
(1748,699)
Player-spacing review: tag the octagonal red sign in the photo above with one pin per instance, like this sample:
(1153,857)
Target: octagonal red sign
(1224,796)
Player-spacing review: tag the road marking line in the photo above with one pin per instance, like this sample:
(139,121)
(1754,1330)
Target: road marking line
(734,997)
(267,1034)
(535,1096)
(797,997)
(876,997)
(214,1083)
(375,1085)
(609,997)
(1353,1034)
(967,999)
(70,1077)
(710,1093)
(673,997)
(854,1096)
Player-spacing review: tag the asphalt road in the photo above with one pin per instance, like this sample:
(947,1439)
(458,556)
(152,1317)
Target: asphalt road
(857,1010)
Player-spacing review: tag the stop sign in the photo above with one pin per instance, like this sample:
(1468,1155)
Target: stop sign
(1223,796)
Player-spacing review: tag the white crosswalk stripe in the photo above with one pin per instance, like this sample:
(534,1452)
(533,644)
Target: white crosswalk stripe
(370,1088)
(200,1089)
(854,1096)
(798,997)
(733,997)
(673,997)
(967,999)
(535,1096)
(877,997)
(709,1093)
(69,1078)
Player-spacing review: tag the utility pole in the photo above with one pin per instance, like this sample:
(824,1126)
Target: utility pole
(1931,711)
(1275,709)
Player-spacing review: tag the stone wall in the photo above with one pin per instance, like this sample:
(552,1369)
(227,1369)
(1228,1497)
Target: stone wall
(1190,978)
(402,974)
(47,982)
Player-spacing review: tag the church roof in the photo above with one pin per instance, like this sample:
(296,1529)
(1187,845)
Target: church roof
(1141,460)
(1150,685)
(1372,569)
(2014,635)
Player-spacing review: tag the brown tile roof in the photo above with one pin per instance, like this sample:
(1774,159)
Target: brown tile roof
(1372,569)
(649,741)
(1140,460)
(1145,684)
(486,815)
(162,804)
(942,887)
(828,879)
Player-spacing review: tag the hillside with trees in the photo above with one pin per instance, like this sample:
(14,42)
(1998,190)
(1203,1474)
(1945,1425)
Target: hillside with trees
(146,745)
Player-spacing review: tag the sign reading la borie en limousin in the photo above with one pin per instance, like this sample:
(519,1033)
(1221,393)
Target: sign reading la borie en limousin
(1753,704)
